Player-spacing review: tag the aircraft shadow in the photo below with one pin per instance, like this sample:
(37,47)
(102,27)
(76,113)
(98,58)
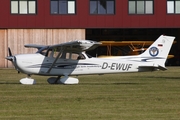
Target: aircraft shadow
(111,83)
(9,83)
(164,77)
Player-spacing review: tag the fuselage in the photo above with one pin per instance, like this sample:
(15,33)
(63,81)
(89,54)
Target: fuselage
(39,64)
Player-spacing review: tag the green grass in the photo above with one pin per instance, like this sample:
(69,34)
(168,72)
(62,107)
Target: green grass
(127,96)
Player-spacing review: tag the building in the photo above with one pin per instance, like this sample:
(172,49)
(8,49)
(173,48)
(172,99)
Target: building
(56,21)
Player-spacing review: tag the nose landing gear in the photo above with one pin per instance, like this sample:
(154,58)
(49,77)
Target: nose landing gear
(28,80)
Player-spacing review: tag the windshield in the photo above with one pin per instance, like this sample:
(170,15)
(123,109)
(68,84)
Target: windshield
(89,56)
(43,50)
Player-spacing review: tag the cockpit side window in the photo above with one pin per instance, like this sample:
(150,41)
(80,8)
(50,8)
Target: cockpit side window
(73,56)
(51,52)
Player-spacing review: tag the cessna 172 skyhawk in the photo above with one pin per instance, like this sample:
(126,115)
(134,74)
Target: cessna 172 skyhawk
(62,60)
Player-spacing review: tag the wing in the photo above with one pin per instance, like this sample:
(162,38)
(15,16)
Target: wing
(75,46)
(78,46)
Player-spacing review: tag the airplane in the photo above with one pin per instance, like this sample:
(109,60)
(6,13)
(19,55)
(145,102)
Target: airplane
(122,48)
(70,59)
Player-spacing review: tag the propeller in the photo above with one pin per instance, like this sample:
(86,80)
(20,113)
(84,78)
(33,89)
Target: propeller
(10,57)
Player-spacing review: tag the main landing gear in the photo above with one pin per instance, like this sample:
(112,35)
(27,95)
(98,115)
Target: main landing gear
(52,80)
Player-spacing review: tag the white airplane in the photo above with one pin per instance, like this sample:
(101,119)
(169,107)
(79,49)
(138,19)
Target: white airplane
(69,59)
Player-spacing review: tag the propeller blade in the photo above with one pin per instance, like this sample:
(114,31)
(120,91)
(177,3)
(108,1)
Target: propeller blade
(9,51)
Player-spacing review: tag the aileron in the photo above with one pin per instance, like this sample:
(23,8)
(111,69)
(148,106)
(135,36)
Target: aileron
(34,46)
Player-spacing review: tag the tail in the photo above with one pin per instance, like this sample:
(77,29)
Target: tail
(158,52)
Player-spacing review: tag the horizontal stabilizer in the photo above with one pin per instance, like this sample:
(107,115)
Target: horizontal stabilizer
(162,68)
(153,67)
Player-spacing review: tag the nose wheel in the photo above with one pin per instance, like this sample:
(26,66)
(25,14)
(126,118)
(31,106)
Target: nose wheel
(27,81)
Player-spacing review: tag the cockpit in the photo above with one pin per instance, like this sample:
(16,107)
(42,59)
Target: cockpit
(63,54)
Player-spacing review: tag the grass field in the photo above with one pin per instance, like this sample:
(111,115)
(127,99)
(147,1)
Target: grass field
(132,96)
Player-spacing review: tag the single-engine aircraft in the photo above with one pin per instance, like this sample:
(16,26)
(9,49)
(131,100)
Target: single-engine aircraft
(69,59)
(124,48)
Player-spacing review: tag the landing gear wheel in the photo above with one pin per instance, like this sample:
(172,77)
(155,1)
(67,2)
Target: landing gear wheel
(63,80)
(69,80)
(53,80)
(28,81)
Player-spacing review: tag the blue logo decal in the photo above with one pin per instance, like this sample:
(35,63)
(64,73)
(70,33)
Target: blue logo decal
(154,51)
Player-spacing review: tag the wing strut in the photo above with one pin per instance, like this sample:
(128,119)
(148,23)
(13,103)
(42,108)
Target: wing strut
(54,61)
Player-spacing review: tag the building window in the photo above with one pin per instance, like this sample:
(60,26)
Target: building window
(102,6)
(173,6)
(141,6)
(63,6)
(23,6)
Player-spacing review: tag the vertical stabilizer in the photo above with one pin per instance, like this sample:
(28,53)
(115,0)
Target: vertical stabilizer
(158,51)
